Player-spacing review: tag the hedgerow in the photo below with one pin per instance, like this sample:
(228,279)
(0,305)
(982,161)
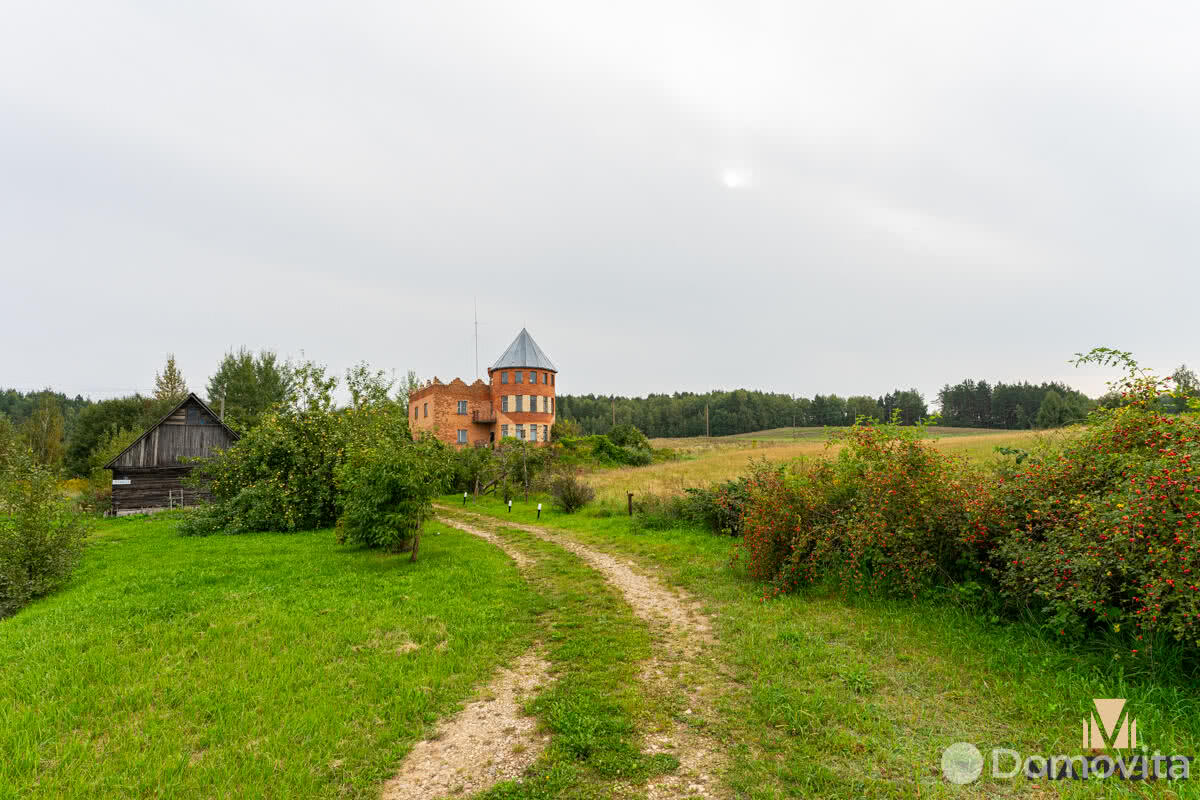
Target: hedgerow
(1104,531)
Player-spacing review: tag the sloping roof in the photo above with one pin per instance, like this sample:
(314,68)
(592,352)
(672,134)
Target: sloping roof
(165,417)
(524,352)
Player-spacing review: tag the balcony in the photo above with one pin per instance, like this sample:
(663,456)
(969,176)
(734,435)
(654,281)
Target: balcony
(484,416)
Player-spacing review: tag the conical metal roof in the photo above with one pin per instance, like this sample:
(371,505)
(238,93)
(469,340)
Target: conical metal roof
(524,352)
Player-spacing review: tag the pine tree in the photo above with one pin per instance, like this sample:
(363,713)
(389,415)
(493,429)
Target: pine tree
(169,384)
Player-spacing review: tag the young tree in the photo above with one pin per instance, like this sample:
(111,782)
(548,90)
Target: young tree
(169,385)
(43,431)
(250,385)
(1053,412)
(1187,387)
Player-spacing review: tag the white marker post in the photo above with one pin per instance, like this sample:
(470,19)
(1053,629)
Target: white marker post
(510,506)
(464,499)
(539,510)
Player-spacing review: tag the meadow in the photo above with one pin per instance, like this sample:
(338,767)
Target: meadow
(708,460)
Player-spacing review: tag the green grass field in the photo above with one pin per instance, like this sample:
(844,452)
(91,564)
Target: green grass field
(266,665)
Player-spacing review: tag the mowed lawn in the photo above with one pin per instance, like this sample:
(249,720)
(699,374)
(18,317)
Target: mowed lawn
(704,461)
(264,665)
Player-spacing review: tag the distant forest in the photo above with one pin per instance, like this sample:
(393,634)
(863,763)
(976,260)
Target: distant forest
(974,404)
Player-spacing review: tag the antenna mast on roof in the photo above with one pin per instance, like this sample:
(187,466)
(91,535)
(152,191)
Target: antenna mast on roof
(476,338)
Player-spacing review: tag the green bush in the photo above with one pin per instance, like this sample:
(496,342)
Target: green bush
(1107,531)
(570,493)
(387,488)
(41,536)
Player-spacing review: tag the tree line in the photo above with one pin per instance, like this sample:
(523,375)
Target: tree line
(730,412)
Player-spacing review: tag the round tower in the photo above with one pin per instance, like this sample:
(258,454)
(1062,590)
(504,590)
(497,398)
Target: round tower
(522,384)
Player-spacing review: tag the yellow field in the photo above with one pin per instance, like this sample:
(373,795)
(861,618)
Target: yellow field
(708,460)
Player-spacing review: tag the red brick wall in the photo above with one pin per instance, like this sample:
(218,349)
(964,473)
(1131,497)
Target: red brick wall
(443,419)
(543,388)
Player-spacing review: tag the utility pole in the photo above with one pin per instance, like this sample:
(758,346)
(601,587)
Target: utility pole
(707,432)
(476,338)
(614,409)
(222,404)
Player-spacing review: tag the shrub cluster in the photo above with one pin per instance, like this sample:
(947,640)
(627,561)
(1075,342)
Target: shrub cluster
(307,464)
(719,508)
(1104,531)
(41,535)
(890,512)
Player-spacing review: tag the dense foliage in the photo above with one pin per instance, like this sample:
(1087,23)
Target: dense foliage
(280,475)
(250,386)
(1102,531)
(41,536)
(388,482)
(890,511)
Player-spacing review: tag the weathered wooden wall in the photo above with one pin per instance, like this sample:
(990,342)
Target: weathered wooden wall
(152,488)
(188,433)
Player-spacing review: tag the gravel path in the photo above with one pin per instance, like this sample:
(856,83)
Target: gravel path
(681,633)
(491,739)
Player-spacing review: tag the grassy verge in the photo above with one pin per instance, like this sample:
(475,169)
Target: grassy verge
(829,698)
(247,666)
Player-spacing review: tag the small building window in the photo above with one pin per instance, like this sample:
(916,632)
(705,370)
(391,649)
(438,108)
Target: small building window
(532,376)
(545,377)
(462,406)
(533,433)
(427,409)
(503,431)
(520,431)
(520,402)
(504,402)
(551,380)
(504,377)
(520,376)
(462,437)
(545,433)
(545,404)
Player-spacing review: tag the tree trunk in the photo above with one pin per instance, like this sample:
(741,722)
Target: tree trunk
(416,544)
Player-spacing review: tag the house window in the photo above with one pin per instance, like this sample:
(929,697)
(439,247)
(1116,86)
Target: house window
(520,405)
(462,437)
(551,380)
(520,376)
(504,402)
(520,431)
(462,406)
(545,433)
(503,431)
(427,409)
(504,377)
(545,377)
(532,376)
(533,433)
(545,404)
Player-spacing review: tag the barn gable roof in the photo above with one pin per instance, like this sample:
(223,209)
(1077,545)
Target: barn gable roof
(191,397)
(524,352)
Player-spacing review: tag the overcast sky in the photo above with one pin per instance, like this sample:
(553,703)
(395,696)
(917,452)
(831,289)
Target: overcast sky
(800,197)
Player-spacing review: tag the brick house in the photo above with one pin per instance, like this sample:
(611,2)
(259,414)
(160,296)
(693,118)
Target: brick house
(516,401)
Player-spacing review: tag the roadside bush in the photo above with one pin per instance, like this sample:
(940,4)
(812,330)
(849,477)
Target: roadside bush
(718,507)
(890,513)
(1107,532)
(570,493)
(626,435)
(41,537)
(658,512)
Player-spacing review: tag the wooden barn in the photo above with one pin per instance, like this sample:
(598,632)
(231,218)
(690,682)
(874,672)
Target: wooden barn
(148,475)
